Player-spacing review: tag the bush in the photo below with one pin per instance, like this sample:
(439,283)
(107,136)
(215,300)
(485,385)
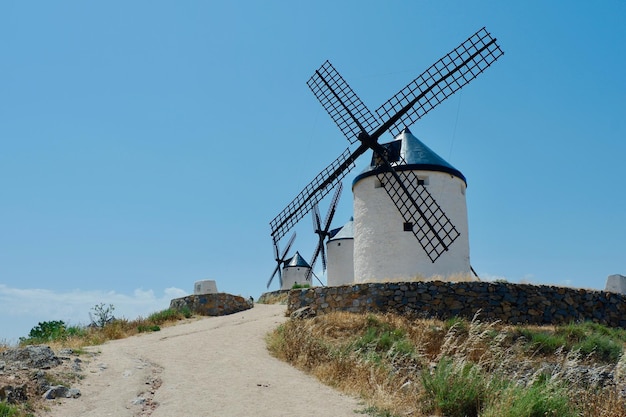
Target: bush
(148,328)
(603,347)
(539,400)
(163,316)
(7,410)
(543,341)
(381,338)
(46,331)
(101,315)
(456,389)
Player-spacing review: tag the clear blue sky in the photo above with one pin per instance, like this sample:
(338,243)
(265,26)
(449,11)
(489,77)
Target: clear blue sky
(146,145)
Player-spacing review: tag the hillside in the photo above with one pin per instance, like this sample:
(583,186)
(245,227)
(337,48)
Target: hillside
(412,366)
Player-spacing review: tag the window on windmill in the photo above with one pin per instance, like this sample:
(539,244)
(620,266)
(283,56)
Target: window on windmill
(379,184)
(408,226)
(422,181)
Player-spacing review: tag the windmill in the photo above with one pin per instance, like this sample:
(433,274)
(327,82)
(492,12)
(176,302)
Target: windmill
(323,230)
(280,259)
(422,215)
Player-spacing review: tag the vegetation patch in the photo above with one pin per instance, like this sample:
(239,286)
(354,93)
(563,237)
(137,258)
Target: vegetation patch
(460,367)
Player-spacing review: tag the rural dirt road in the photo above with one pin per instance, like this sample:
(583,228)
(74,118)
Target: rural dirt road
(215,366)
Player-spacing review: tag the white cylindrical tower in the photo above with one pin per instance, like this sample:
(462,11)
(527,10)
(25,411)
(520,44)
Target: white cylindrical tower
(384,248)
(296,271)
(340,252)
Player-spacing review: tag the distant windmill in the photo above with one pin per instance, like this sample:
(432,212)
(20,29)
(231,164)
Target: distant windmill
(421,213)
(323,230)
(281,259)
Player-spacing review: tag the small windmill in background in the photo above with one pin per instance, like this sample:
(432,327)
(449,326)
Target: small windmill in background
(281,259)
(322,230)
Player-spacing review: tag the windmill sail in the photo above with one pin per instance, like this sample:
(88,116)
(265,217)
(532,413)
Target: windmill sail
(441,80)
(341,103)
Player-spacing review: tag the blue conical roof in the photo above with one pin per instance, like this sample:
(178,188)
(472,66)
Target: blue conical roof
(344,232)
(298,261)
(416,154)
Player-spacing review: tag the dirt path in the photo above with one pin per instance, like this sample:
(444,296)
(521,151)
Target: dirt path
(216,366)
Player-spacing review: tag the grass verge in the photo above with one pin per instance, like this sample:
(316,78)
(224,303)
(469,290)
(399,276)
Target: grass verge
(460,367)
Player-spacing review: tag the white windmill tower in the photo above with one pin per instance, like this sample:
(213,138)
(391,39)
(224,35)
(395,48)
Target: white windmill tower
(296,271)
(340,250)
(439,228)
(385,245)
(290,271)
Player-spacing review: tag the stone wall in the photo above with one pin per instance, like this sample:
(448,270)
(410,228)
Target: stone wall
(510,303)
(219,304)
(274,297)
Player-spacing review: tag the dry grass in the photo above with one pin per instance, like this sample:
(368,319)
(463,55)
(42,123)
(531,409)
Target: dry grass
(280,298)
(76,337)
(403,367)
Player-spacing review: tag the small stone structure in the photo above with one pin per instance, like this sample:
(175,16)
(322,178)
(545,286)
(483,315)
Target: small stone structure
(206,286)
(616,283)
(220,304)
(509,303)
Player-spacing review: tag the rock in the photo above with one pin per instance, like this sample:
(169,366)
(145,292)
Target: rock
(60,391)
(303,313)
(13,395)
(76,365)
(138,401)
(41,382)
(36,356)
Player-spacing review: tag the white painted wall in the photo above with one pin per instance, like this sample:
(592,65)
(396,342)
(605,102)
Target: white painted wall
(295,275)
(383,250)
(340,259)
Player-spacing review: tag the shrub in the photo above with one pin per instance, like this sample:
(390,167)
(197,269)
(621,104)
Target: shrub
(46,331)
(297,286)
(603,347)
(381,338)
(543,341)
(538,400)
(7,410)
(101,315)
(163,316)
(186,312)
(148,328)
(456,389)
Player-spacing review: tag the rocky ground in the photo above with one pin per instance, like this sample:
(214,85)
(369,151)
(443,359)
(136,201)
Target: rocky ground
(33,375)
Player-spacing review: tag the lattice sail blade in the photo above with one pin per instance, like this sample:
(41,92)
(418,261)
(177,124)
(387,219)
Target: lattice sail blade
(342,104)
(313,193)
(317,219)
(316,253)
(288,247)
(332,209)
(430,225)
(276,271)
(438,82)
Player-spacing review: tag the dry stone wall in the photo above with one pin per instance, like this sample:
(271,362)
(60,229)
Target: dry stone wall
(510,303)
(219,304)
